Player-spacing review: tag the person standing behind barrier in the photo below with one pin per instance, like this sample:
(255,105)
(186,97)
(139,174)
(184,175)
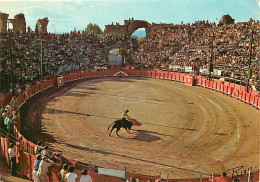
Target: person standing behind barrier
(38,148)
(8,122)
(36,165)
(12,157)
(1,118)
(4,114)
(45,152)
(63,172)
(43,169)
(14,117)
(71,177)
(85,177)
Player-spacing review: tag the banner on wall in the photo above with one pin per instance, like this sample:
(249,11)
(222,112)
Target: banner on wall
(188,69)
(217,72)
(204,71)
(112,172)
(176,68)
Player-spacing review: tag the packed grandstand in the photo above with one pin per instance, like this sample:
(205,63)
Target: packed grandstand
(188,46)
(172,53)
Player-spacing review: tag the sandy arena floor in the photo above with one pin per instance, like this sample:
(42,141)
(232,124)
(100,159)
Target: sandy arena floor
(185,129)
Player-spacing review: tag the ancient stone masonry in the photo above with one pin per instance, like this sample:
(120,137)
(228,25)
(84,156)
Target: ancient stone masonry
(115,29)
(226,19)
(41,26)
(19,24)
(133,25)
(3,22)
(129,27)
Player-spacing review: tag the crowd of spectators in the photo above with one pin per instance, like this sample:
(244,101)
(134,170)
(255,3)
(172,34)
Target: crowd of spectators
(8,118)
(189,45)
(44,160)
(21,55)
(171,48)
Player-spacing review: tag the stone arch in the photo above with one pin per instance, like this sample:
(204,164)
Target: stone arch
(136,24)
(129,27)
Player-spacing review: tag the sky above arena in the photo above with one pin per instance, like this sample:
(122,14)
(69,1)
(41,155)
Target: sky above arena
(64,16)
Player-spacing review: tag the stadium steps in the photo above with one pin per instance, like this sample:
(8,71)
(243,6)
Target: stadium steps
(5,174)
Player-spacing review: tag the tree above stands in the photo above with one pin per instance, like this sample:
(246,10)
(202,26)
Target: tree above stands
(93,28)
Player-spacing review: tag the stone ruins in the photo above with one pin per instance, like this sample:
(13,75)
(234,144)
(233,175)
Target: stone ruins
(41,26)
(3,22)
(129,27)
(226,19)
(19,24)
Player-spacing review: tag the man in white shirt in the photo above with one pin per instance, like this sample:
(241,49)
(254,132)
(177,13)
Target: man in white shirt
(45,152)
(85,177)
(43,169)
(71,177)
(12,157)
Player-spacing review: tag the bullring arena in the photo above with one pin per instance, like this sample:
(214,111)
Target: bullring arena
(185,130)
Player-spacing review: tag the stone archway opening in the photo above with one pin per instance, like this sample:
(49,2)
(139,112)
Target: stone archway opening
(129,27)
(140,33)
(10,25)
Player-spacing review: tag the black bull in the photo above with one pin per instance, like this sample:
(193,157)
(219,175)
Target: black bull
(118,124)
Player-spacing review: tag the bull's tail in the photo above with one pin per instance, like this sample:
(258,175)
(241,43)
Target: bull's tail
(110,125)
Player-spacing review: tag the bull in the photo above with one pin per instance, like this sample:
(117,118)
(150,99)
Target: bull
(120,123)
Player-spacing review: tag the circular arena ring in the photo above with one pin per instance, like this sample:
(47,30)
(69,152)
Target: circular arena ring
(185,130)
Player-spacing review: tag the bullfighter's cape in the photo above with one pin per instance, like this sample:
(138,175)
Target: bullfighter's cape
(135,122)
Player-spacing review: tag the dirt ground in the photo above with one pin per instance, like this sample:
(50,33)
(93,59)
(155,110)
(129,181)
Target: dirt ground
(186,130)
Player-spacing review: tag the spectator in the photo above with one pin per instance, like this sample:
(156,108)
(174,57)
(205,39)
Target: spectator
(132,180)
(38,148)
(8,122)
(45,152)
(43,169)
(85,177)
(63,172)
(71,177)
(36,167)
(4,114)
(1,111)
(14,117)
(1,118)
(12,157)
